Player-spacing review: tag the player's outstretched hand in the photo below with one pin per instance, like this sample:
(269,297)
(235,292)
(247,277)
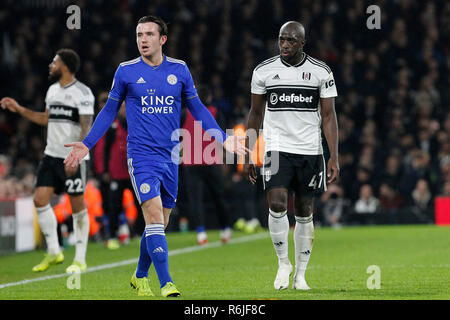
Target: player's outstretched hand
(235,144)
(77,154)
(10,104)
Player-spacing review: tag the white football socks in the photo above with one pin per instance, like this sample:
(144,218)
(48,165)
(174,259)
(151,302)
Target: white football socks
(48,224)
(81,231)
(279,232)
(303,240)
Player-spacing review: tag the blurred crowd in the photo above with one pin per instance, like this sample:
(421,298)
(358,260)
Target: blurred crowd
(393,105)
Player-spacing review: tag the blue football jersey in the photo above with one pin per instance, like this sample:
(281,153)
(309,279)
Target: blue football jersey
(153,97)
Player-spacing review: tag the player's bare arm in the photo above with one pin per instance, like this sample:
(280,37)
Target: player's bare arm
(12,105)
(255,119)
(85,123)
(330,129)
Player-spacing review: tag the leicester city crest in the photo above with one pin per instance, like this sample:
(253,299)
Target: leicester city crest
(172,79)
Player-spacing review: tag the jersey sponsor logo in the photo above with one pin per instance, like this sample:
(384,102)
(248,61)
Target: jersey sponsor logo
(172,79)
(276,77)
(144,188)
(291,98)
(157,104)
(61,112)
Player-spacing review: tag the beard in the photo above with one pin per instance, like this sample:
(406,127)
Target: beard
(55,76)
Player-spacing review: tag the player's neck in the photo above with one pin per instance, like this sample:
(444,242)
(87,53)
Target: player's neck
(66,79)
(295,59)
(154,60)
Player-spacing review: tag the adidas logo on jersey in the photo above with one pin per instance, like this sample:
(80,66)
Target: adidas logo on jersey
(276,77)
(141,80)
(159,249)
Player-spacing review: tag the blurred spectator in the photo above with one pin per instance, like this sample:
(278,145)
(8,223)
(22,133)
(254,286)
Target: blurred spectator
(391,202)
(366,203)
(332,206)
(421,201)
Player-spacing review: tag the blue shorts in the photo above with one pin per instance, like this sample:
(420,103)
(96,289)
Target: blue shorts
(151,179)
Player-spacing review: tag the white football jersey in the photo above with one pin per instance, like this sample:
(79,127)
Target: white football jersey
(292,121)
(65,105)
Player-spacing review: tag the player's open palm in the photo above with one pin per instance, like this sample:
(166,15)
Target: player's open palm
(235,144)
(76,156)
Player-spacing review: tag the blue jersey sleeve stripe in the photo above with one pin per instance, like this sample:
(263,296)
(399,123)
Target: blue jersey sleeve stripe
(192,97)
(109,97)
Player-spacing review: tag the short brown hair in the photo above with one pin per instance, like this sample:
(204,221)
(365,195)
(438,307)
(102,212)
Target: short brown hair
(160,22)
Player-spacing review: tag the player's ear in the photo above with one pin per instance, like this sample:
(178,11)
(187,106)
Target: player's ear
(162,40)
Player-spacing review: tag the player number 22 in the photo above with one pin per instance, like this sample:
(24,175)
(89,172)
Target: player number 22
(74,185)
(316,182)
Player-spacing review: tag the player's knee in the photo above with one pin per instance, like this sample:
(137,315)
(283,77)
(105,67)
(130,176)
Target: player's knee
(278,206)
(39,202)
(152,213)
(305,209)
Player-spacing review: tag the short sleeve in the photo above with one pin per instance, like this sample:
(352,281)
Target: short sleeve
(87,104)
(258,86)
(47,98)
(328,87)
(189,91)
(118,87)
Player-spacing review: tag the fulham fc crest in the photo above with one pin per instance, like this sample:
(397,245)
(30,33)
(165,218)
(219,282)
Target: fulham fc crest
(267,175)
(306,76)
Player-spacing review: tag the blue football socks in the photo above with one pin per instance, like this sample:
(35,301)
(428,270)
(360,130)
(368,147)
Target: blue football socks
(145,261)
(158,250)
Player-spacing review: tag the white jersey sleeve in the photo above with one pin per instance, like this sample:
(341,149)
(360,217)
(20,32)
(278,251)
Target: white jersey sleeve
(258,85)
(328,87)
(86,103)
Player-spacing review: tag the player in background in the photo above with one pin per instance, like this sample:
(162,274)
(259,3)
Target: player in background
(68,115)
(202,172)
(110,159)
(300,92)
(153,87)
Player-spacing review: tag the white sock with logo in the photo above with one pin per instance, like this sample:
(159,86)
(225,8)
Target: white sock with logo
(81,231)
(303,240)
(49,225)
(279,232)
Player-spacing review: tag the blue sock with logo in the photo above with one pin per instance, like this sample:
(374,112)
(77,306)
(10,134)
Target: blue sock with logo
(158,251)
(145,261)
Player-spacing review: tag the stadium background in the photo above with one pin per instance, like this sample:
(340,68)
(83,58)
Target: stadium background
(393,104)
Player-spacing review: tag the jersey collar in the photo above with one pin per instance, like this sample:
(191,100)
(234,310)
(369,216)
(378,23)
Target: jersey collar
(68,85)
(297,65)
(158,66)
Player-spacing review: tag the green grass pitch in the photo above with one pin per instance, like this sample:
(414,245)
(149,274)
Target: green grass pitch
(414,263)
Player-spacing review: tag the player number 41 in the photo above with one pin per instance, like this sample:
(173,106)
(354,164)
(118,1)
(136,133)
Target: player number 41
(316,181)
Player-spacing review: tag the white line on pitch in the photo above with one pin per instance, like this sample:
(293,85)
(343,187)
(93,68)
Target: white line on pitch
(131,261)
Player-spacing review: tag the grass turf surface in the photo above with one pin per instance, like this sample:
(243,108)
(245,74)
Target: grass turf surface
(414,262)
